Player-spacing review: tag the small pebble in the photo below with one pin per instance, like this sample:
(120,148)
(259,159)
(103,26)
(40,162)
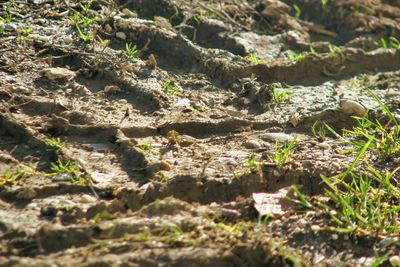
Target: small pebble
(351,107)
(68,40)
(86,199)
(61,177)
(315,228)
(59,73)
(108,28)
(128,13)
(10,27)
(324,145)
(165,166)
(112,89)
(281,137)
(121,35)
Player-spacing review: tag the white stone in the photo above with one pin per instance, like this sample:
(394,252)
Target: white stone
(281,137)
(121,35)
(352,107)
(59,73)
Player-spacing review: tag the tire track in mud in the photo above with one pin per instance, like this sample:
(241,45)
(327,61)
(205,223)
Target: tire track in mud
(168,176)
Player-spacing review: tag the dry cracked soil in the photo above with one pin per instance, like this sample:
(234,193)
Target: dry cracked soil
(134,133)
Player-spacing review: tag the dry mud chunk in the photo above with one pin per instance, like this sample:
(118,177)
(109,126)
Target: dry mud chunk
(59,74)
(281,137)
(26,193)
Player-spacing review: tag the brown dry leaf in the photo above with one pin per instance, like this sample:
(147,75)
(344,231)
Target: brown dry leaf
(274,203)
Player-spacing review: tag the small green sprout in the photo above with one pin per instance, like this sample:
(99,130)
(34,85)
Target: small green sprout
(71,169)
(86,7)
(324,4)
(393,42)
(297,11)
(7,19)
(312,50)
(335,50)
(251,162)
(283,155)
(11,177)
(254,59)
(301,199)
(85,35)
(172,88)
(280,96)
(146,146)
(131,49)
(318,130)
(55,143)
(24,34)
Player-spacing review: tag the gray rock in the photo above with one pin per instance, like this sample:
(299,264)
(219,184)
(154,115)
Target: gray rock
(251,144)
(352,107)
(280,137)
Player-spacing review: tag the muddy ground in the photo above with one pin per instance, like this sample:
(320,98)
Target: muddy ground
(160,139)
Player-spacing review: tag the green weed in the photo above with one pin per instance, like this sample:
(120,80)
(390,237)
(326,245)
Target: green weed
(324,4)
(296,57)
(290,259)
(384,139)
(54,143)
(11,177)
(71,169)
(318,129)
(7,18)
(172,88)
(368,200)
(335,51)
(297,11)
(312,50)
(301,199)
(84,23)
(280,96)
(256,165)
(392,42)
(24,34)
(146,146)
(143,236)
(131,49)
(86,7)
(282,155)
(251,162)
(85,35)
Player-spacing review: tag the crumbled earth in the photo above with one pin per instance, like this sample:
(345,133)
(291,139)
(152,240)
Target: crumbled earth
(160,140)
